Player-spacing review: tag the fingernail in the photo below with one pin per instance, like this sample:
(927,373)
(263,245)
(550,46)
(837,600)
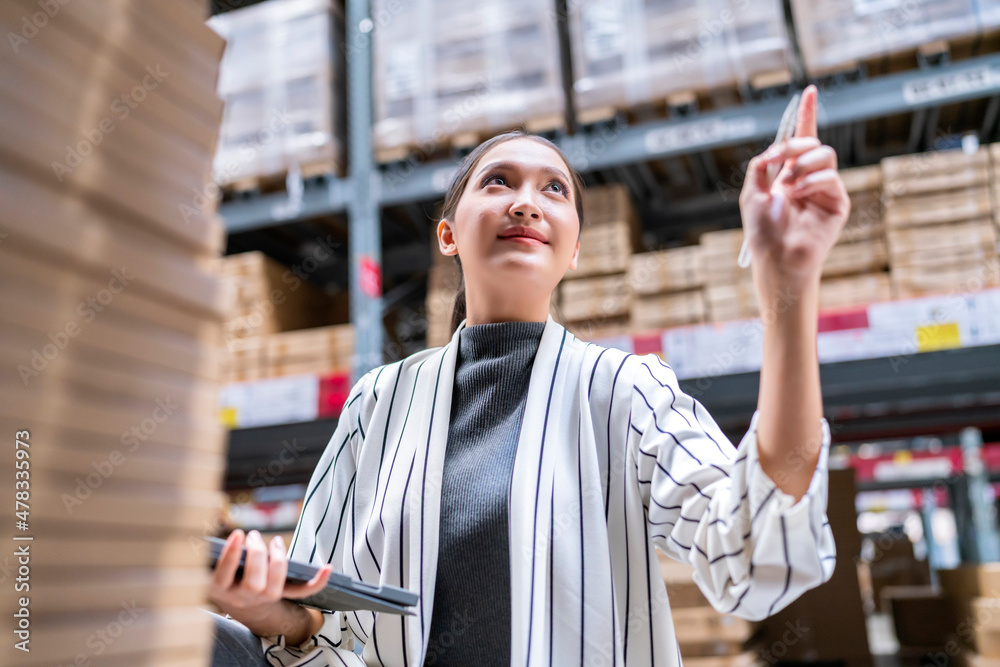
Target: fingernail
(777,203)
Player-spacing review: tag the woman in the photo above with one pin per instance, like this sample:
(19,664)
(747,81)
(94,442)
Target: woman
(518,479)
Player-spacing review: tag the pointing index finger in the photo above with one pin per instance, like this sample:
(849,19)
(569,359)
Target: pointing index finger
(806,122)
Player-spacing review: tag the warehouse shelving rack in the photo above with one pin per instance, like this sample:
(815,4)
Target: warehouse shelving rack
(617,150)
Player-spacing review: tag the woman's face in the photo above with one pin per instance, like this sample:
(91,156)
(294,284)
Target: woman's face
(516,223)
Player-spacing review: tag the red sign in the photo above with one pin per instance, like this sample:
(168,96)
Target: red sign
(371,277)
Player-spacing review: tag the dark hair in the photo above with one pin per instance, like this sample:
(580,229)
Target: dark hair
(461,180)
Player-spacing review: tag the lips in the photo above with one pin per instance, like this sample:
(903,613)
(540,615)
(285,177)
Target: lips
(522,233)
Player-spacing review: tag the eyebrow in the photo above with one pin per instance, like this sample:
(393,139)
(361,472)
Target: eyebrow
(507,164)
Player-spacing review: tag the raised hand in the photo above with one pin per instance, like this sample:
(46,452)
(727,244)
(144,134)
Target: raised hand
(792,223)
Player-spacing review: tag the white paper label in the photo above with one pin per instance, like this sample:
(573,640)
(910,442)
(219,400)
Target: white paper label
(697,133)
(931,88)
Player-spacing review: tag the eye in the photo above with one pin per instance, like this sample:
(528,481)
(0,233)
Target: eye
(494,178)
(558,186)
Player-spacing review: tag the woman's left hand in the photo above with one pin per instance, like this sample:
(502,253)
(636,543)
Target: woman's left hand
(793,222)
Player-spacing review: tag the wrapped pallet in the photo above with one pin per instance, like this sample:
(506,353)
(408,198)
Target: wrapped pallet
(445,71)
(629,53)
(111,322)
(282,79)
(836,34)
(938,222)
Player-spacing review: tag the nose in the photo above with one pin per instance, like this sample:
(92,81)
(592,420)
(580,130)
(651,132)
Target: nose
(524,207)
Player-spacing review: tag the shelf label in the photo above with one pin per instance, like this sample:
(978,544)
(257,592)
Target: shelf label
(938,337)
(371,277)
(228,416)
(950,84)
(699,133)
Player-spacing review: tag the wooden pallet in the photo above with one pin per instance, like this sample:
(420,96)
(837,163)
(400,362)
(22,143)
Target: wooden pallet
(464,142)
(703,99)
(277,182)
(941,50)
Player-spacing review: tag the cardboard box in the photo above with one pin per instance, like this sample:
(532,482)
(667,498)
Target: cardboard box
(595,298)
(271,298)
(604,249)
(938,208)
(105,272)
(854,290)
(672,270)
(921,615)
(862,179)
(667,310)
(861,257)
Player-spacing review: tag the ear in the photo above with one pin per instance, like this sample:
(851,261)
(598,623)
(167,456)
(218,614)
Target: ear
(446,238)
(576,255)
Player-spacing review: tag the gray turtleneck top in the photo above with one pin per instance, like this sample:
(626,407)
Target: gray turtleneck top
(470,623)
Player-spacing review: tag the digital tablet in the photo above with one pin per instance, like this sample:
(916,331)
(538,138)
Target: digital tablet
(342,593)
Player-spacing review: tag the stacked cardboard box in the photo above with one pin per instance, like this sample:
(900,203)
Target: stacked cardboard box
(269,297)
(283,82)
(111,325)
(446,68)
(729,289)
(595,298)
(706,637)
(246,359)
(995,187)
(835,34)
(973,593)
(854,273)
(667,288)
(938,220)
(318,351)
(631,53)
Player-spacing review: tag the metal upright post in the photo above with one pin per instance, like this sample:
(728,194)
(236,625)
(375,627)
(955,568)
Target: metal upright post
(364,228)
(984,519)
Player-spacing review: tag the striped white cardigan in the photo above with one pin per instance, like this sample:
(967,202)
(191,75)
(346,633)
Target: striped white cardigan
(612,459)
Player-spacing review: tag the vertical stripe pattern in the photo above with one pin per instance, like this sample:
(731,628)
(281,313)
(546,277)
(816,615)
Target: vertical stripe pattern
(613,460)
